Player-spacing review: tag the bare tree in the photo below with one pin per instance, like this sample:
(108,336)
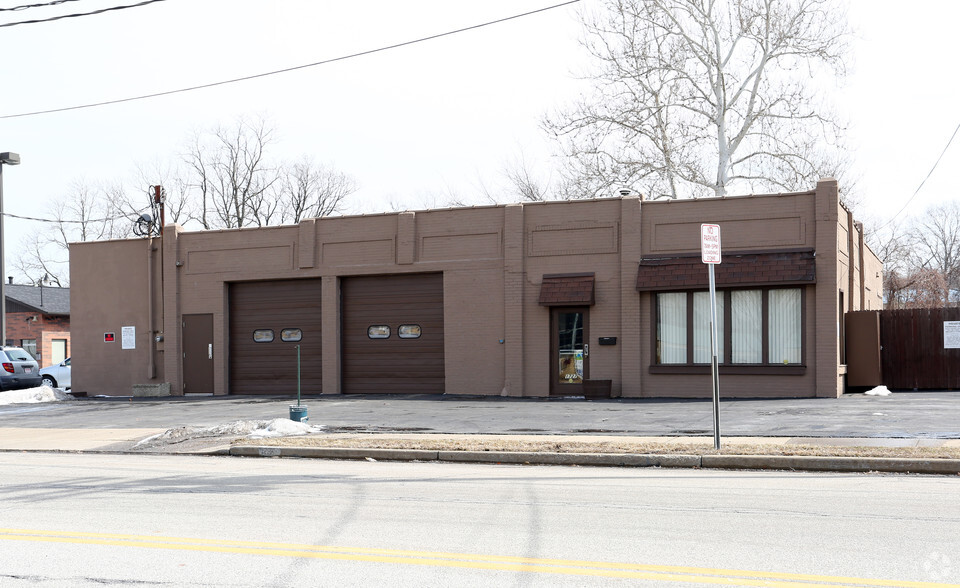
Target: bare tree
(84,213)
(921,288)
(231,178)
(694,96)
(890,242)
(309,190)
(225,181)
(936,243)
(523,182)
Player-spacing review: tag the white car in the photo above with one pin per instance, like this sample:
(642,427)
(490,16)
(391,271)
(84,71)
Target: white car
(57,376)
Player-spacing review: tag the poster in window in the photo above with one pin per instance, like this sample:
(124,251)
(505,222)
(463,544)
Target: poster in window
(571,367)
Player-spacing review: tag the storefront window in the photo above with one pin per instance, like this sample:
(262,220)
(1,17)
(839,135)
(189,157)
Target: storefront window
(682,315)
(672,327)
(746,316)
(702,351)
(784,320)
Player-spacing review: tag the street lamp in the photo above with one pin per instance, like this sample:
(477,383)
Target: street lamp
(8,158)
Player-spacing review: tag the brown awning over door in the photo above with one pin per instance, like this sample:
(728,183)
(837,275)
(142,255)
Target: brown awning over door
(567,290)
(735,270)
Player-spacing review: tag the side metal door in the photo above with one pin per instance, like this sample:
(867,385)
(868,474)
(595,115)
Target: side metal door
(197,353)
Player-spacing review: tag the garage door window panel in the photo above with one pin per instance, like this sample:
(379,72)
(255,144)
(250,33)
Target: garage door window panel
(291,335)
(263,335)
(378,332)
(409,331)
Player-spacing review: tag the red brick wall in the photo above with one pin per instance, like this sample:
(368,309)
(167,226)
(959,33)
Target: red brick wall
(20,327)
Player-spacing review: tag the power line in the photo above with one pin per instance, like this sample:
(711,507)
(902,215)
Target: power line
(289,69)
(930,173)
(75,15)
(75,222)
(44,5)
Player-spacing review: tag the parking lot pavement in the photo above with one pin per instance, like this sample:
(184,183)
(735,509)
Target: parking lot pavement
(905,415)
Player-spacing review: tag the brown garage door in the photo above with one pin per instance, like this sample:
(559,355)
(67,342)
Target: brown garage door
(266,319)
(392,334)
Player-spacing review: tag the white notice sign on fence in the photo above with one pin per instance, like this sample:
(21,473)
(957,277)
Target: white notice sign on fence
(951,334)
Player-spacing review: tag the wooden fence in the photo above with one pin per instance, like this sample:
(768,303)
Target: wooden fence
(912,353)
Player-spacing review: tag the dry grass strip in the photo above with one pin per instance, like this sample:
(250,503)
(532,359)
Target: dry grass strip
(453,443)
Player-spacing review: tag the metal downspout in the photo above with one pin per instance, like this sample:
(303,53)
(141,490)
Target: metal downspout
(851,262)
(151,363)
(863,281)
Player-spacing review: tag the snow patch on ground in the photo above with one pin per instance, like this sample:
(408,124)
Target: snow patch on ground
(878,391)
(250,429)
(34,395)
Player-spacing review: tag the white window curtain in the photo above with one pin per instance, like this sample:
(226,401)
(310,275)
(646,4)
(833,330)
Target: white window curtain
(746,316)
(702,353)
(784,325)
(672,327)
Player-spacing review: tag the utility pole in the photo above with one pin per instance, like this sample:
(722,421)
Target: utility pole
(8,158)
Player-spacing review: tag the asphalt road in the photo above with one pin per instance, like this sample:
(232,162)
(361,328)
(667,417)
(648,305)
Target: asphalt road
(918,415)
(122,520)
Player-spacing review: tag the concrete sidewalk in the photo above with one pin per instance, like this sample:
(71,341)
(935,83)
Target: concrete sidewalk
(910,415)
(912,420)
(33,439)
(125,441)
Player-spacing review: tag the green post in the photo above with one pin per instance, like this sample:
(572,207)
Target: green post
(298,413)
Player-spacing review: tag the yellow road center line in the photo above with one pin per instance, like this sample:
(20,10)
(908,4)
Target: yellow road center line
(463,560)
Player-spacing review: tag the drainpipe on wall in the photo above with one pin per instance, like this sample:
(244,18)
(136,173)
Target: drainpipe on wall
(863,282)
(159,199)
(151,363)
(851,261)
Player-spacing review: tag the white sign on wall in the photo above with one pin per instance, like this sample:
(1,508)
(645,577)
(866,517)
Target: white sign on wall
(128,337)
(710,243)
(951,334)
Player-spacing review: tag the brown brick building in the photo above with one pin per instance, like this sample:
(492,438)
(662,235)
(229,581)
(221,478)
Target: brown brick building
(38,319)
(600,296)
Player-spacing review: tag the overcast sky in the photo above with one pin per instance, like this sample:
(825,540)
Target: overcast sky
(414,125)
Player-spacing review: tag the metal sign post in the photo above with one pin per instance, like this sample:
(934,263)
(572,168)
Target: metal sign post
(710,255)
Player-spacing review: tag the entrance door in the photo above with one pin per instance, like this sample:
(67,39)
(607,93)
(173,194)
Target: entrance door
(58,351)
(569,350)
(197,354)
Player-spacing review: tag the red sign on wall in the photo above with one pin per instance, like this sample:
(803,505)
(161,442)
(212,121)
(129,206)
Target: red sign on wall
(109,337)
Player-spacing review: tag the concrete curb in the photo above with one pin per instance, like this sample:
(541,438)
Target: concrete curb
(592,459)
(732,462)
(334,453)
(833,464)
